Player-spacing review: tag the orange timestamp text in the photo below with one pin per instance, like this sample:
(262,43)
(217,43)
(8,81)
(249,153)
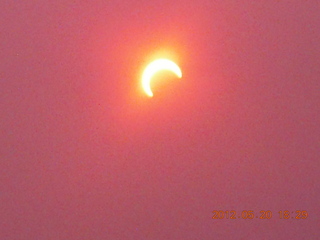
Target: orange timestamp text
(263,214)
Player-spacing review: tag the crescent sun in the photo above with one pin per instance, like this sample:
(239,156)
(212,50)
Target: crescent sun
(153,68)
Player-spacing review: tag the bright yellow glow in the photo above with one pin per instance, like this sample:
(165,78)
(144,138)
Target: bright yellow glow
(153,68)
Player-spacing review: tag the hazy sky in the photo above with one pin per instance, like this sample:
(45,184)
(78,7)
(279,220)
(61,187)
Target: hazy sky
(84,154)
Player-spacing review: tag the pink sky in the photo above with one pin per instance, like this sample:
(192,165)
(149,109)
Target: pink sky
(85,155)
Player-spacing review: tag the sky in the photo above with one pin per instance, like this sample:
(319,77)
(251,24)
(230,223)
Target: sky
(85,154)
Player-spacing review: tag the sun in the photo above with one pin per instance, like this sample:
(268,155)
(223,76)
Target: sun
(153,68)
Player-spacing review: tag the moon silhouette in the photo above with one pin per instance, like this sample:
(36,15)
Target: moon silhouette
(153,68)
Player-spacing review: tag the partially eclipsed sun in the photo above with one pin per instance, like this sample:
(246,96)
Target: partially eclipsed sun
(153,68)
